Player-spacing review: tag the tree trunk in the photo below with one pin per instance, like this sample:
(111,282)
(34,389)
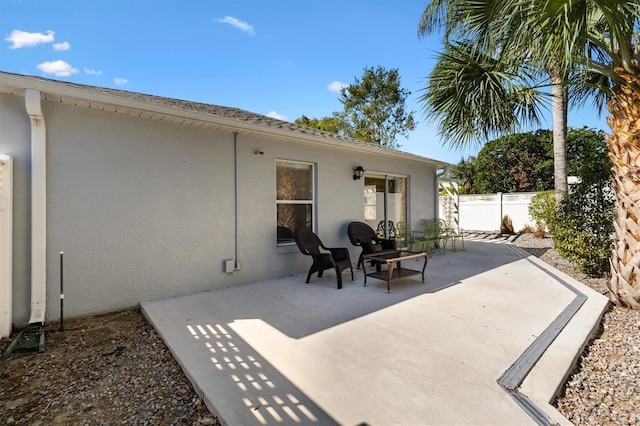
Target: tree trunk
(559,111)
(624,151)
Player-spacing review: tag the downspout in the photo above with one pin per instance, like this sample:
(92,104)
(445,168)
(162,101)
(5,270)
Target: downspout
(38,206)
(236,264)
(436,191)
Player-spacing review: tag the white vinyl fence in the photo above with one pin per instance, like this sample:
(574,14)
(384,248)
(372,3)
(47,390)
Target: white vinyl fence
(485,212)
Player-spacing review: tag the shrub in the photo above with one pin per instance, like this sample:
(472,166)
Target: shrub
(589,252)
(538,231)
(506,226)
(527,229)
(583,227)
(542,208)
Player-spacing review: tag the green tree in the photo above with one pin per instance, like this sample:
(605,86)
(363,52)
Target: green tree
(374,108)
(465,173)
(522,162)
(327,124)
(588,156)
(505,44)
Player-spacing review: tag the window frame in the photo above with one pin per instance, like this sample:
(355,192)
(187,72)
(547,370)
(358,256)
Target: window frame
(309,202)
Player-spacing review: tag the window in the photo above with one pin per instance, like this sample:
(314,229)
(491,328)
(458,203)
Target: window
(294,198)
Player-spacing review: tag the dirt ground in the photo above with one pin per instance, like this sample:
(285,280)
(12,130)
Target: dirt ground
(104,369)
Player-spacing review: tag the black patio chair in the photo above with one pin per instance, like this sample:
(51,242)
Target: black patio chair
(362,235)
(337,258)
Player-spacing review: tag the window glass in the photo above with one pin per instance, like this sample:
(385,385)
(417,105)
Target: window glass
(396,199)
(294,198)
(294,181)
(370,203)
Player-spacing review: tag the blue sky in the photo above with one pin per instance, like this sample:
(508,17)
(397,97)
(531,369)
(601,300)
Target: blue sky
(282,58)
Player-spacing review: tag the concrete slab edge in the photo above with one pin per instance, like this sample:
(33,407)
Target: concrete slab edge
(564,341)
(190,376)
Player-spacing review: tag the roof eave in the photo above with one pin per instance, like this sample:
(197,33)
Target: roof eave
(15,84)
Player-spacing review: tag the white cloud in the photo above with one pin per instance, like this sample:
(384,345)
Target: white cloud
(241,25)
(21,39)
(58,68)
(120,81)
(336,86)
(60,47)
(87,71)
(274,114)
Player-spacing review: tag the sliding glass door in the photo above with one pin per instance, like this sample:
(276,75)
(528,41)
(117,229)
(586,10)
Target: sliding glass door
(385,203)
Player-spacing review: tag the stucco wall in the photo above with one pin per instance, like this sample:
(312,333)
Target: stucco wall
(144,209)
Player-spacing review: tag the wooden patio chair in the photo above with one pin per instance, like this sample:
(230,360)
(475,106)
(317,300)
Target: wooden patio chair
(336,258)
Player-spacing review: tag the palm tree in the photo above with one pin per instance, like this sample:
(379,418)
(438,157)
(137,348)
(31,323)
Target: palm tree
(465,173)
(490,77)
(495,76)
(605,36)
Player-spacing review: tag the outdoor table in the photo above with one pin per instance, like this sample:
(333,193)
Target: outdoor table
(393,259)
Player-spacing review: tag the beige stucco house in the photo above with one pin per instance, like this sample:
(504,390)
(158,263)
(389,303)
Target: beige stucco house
(150,197)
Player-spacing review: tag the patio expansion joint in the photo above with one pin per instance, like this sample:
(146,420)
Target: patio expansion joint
(513,377)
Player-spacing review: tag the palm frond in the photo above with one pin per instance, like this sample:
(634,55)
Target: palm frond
(586,85)
(473,96)
(438,15)
(433,17)
(580,26)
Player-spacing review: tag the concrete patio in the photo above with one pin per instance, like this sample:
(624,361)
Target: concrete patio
(442,352)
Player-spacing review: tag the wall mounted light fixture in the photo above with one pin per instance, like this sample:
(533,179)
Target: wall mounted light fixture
(358,172)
